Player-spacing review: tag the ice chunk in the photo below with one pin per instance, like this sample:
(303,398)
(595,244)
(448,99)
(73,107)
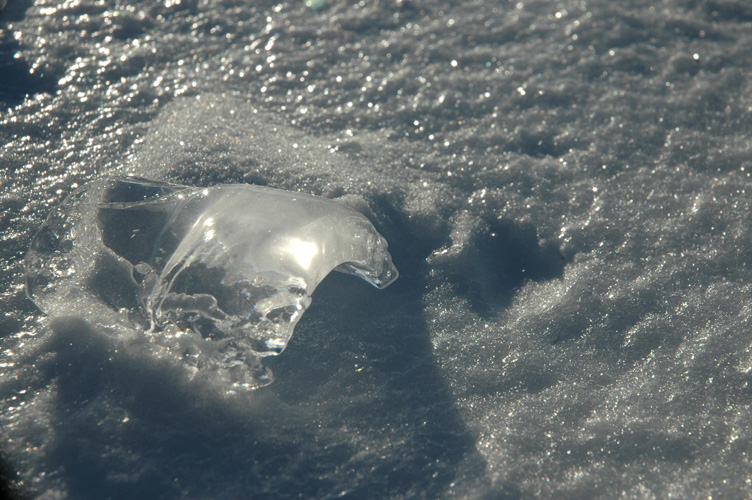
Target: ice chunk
(217,277)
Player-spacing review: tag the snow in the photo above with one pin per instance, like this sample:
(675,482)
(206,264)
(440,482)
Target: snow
(563,186)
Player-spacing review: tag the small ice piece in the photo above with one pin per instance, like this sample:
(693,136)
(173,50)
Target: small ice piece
(217,277)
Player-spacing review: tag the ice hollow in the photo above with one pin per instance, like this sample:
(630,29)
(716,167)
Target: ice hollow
(217,277)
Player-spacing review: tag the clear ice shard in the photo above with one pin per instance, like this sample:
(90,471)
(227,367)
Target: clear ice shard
(216,277)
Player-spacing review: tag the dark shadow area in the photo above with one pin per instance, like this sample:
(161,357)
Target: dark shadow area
(10,488)
(496,263)
(16,79)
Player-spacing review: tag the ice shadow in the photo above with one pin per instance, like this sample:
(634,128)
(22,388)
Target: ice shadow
(390,382)
(17,81)
(359,410)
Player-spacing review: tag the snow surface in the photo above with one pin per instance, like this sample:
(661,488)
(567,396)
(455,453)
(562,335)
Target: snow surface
(563,186)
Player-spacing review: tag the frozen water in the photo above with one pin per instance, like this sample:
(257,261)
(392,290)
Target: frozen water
(216,276)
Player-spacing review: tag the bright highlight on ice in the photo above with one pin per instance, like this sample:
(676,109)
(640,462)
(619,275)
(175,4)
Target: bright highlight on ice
(216,277)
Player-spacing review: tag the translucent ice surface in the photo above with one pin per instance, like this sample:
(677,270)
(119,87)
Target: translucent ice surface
(216,277)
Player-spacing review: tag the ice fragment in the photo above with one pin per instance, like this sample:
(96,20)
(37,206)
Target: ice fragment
(217,277)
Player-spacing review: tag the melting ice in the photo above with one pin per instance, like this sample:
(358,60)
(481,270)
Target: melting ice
(216,277)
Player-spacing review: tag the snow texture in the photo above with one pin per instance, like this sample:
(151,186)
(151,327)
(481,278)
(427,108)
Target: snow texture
(563,186)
